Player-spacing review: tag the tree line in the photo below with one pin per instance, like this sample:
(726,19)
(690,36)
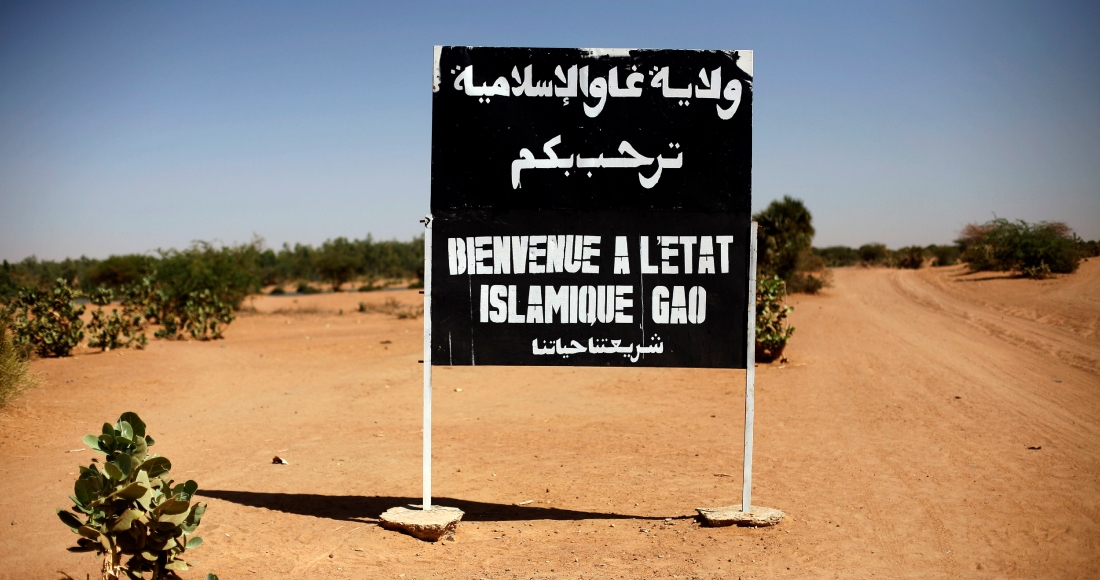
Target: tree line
(240,269)
(1031,250)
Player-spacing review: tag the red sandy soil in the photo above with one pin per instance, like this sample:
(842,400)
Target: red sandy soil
(896,438)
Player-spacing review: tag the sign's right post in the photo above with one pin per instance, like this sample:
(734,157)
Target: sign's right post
(750,373)
(746,514)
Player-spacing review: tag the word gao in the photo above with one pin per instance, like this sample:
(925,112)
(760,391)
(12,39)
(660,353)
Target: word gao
(683,307)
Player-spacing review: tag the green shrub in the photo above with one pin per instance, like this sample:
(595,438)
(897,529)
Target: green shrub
(117,329)
(204,316)
(811,283)
(145,299)
(48,321)
(130,509)
(228,273)
(772,330)
(201,314)
(944,255)
(9,283)
(196,291)
(277,291)
(1002,245)
(838,256)
(1040,272)
(231,272)
(14,364)
(34,273)
(873,254)
(971,235)
(810,274)
(911,257)
(305,288)
(118,271)
(786,234)
(338,262)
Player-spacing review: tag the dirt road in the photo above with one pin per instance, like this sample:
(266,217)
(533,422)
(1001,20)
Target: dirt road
(898,438)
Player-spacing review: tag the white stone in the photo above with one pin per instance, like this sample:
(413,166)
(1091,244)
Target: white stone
(430,525)
(732,515)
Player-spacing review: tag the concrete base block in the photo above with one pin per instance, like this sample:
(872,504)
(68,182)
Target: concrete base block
(733,516)
(429,525)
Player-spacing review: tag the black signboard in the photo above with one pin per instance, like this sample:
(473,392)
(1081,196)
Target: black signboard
(590,207)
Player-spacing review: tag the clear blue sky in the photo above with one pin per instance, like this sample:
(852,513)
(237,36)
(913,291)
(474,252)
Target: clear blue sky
(125,127)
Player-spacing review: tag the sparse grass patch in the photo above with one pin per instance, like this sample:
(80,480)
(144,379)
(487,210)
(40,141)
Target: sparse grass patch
(394,308)
(311,309)
(15,363)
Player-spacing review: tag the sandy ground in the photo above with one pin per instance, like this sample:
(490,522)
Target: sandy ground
(897,438)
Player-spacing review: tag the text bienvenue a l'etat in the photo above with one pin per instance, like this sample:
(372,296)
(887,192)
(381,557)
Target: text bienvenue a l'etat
(580,254)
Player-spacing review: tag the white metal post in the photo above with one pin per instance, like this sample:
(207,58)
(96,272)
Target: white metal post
(427,362)
(750,374)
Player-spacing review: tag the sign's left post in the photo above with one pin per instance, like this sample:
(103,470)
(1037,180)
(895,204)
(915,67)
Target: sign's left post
(429,522)
(427,362)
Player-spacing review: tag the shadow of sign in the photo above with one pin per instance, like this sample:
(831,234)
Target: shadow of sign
(366,508)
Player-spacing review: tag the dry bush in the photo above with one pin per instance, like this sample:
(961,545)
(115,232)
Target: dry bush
(810,274)
(14,365)
(873,254)
(944,255)
(909,257)
(1032,250)
(838,256)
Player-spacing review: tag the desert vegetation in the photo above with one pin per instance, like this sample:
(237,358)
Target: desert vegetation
(1030,250)
(196,292)
(785,246)
(14,364)
(394,308)
(192,293)
(128,511)
(115,329)
(875,254)
(47,321)
(772,329)
(1037,250)
(238,269)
